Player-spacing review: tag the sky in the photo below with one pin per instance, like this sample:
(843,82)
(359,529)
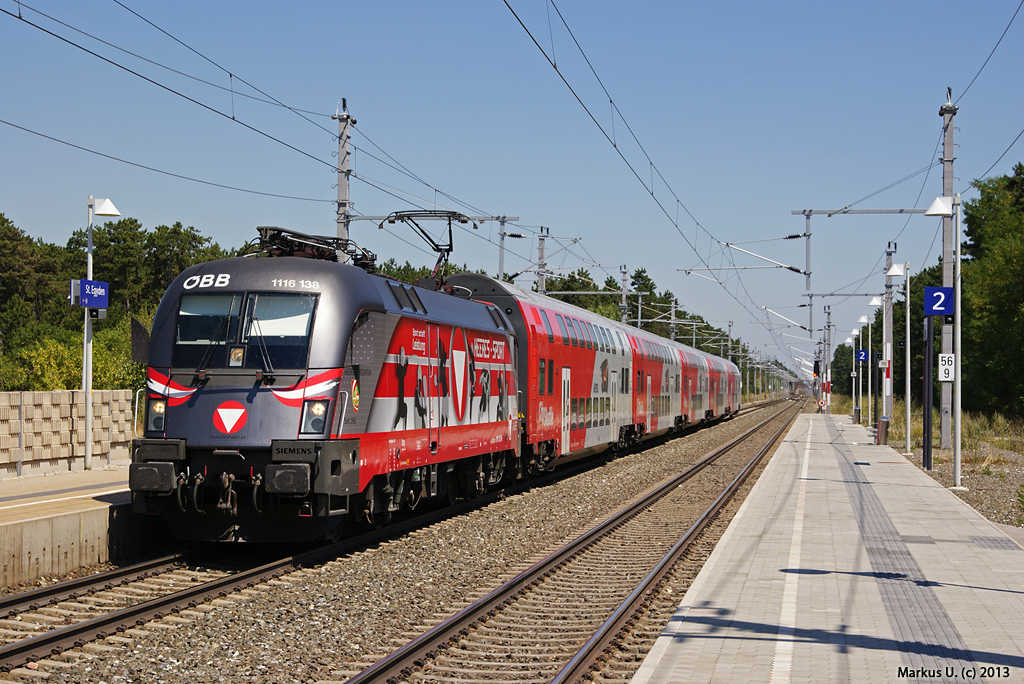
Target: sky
(650,132)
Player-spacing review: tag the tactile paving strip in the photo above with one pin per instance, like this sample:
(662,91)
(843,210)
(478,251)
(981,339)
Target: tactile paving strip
(924,629)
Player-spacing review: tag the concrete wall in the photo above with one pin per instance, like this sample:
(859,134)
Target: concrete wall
(62,543)
(45,431)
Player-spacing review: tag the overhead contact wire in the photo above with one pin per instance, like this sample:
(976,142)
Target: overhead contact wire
(170,90)
(160,171)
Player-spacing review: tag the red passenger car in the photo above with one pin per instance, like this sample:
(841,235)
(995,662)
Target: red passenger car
(591,383)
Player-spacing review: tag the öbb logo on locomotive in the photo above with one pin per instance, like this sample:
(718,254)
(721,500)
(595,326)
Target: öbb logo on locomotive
(363,396)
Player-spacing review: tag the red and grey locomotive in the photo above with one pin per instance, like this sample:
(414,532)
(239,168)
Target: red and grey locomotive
(285,394)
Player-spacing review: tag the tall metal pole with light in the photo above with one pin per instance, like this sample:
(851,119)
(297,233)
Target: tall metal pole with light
(906,359)
(948,207)
(98,207)
(864,320)
(904,270)
(855,375)
(875,301)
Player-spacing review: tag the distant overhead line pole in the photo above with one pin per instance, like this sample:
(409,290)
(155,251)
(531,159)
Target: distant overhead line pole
(949,244)
(345,122)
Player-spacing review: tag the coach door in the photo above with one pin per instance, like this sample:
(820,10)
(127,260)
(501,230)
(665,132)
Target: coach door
(613,383)
(435,384)
(650,407)
(565,410)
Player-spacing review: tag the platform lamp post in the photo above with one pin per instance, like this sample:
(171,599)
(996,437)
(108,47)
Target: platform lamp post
(904,270)
(97,207)
(951,206)
(860,371)
(853,375)
(872,369)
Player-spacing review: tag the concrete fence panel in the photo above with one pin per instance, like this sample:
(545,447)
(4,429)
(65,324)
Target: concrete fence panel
(44,432)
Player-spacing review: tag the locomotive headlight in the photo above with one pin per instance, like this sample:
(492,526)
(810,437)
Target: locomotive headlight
(155,417)
(314,416)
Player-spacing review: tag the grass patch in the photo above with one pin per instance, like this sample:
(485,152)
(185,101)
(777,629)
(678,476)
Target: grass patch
(997,430)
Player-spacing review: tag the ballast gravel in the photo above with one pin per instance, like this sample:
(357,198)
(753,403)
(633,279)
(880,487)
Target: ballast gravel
(301,628)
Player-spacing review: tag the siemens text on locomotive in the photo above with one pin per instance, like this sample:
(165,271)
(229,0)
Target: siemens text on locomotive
(287,394)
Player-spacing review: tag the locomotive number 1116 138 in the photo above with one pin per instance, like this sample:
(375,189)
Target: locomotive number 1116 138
(302,284)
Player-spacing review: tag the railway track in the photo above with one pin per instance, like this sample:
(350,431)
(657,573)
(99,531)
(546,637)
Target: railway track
(44,627)
(51,620)
(556,621)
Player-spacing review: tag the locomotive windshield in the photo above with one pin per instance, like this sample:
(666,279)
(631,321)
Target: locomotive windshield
(257,330)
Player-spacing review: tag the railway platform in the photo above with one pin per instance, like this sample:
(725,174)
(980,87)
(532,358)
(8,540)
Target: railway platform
(847,563)
(56,523)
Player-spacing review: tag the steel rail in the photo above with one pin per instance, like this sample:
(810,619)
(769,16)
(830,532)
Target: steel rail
(400,662)
(586,658)
(22,601)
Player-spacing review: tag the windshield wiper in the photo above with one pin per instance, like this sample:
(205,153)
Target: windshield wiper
(208,354)
(268,367)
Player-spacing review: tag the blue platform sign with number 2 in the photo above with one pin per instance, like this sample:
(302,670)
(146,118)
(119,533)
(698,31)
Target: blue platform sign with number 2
(938,301)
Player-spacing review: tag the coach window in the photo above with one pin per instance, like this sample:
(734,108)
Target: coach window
(598,344)
(579,333)
(586,334)
(599,339)
(561,328)
(541,380)
(572,331)
(572,414)
(551,376)
(611,341)
(547,325)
